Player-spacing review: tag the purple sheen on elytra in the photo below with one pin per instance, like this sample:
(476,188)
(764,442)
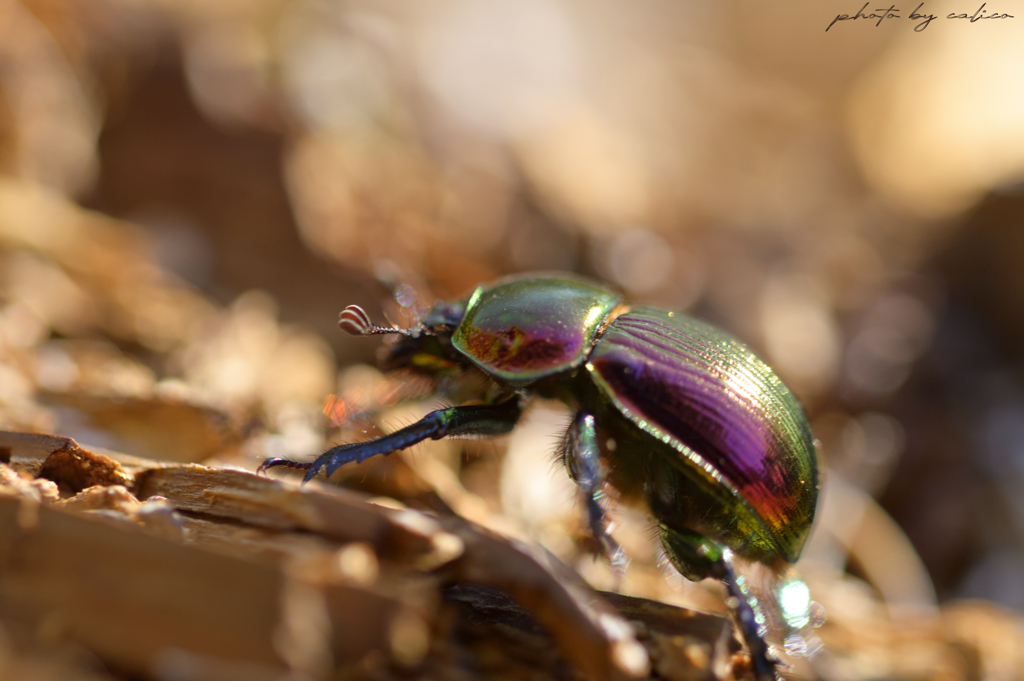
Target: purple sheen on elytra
(522,329)
(725,410)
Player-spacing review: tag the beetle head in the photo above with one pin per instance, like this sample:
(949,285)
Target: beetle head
(425,347)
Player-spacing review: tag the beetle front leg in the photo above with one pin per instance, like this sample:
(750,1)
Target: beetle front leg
(477,419)
(583,459)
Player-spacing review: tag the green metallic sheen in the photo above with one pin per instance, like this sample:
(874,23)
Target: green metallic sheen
(745,465)
(522,329)
(673,414)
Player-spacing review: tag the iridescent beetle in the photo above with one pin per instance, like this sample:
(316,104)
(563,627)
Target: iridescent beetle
(670,411)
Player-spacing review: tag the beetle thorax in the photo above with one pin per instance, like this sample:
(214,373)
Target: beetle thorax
(520,330)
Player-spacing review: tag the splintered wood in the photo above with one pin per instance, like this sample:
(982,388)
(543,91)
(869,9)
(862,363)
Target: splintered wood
(115,567)
(170,571)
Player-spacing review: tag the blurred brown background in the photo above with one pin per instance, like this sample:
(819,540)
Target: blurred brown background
(845,202)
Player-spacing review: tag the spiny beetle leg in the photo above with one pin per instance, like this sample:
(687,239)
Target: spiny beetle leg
(477,419)
(742,606)
(584,461)
(706,558)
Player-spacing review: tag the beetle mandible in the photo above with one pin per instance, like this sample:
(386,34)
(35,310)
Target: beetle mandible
(670,411)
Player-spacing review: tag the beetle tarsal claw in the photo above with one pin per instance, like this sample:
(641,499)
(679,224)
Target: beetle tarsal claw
(277,461)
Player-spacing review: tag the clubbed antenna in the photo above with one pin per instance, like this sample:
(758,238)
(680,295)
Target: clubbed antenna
(355,321)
